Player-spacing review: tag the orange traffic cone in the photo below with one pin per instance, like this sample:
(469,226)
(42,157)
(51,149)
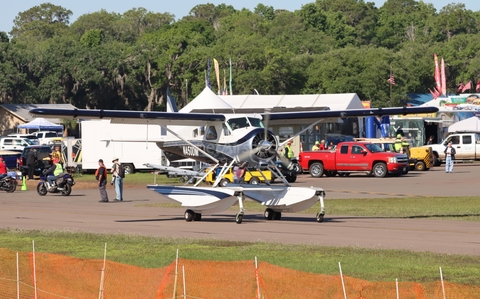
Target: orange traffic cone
(24,184)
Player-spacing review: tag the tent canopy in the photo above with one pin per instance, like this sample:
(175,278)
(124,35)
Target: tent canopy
(471,124)
(41,124)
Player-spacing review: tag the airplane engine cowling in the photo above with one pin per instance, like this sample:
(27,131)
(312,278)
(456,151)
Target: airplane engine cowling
(264,148)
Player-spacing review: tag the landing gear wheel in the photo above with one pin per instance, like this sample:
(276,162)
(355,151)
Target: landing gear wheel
(277,216)
(254,181)
(198,217)
(67,190)
(41,190)
(239,218)
(420,166)
(319,217)
(268,214)
(189,215)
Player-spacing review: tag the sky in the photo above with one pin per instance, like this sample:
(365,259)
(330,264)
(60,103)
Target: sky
(180,8)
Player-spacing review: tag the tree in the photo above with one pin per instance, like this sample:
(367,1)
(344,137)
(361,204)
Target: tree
(42,21)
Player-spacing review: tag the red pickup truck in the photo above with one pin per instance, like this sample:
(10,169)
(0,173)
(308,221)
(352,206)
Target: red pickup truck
(352,157)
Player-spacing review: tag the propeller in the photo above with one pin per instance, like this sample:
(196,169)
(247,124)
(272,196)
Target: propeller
(263,149)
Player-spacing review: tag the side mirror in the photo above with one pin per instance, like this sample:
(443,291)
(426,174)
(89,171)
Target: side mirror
(364,152)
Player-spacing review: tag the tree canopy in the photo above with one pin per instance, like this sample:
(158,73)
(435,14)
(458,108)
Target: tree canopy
(128,61)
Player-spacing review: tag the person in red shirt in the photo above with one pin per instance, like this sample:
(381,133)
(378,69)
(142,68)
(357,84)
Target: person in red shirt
(3,169)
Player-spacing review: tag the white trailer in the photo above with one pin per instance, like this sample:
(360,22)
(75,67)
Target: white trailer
(129,143)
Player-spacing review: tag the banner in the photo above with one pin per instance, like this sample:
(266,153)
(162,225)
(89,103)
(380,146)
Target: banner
(217,72)
(437,73)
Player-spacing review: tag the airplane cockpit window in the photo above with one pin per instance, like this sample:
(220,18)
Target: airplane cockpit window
(202,131)
(211,133)
(237,123)
(195,133)
(255,122)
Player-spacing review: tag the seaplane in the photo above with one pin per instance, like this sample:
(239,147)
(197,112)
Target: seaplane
(222,137)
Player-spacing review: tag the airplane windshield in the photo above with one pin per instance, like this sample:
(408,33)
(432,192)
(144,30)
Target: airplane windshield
(237,123)
(373,148)
(256,122)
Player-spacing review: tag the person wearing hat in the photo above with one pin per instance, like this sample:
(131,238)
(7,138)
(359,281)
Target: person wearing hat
(101,176)
(316,146)
(449,157)
(288,150)
(117,178)
(3,168)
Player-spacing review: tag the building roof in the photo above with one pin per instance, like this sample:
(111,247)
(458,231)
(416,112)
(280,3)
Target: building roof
(22,110)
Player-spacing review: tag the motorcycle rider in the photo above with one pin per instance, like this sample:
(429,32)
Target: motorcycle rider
(3,169)
(53,172)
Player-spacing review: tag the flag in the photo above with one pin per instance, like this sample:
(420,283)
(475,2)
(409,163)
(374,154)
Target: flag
(208,74)
(467,86)
(477,88)
(443,78)
(460,87)
(437,73)
(225,92)
(217,72)
(391,80)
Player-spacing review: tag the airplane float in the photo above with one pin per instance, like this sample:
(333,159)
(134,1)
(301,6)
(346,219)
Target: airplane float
(224,138)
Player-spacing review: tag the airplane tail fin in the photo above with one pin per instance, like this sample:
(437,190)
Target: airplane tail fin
(171,104)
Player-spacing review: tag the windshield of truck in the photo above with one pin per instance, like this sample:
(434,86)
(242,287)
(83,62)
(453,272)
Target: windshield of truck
(373,148)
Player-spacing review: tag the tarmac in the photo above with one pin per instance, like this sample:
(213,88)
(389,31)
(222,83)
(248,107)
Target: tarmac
(81,211)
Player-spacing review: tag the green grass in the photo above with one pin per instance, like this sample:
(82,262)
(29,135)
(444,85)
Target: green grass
(369,264)
(451,208)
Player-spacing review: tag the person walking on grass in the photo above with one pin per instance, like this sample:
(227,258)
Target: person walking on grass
(101,176)
(449,157)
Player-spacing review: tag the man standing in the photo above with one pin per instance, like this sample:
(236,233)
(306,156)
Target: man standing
(3,168)
(449,157)
(101,176)
(30,161)
(118,173)
(288,150)
(58,155)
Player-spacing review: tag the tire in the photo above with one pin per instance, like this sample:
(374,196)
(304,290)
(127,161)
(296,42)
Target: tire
(379,170)
(189,215)
(198,217)
(436,161)
(224,183)
(319,217)
(12,186)
(129,168)
(277,216)
(67,189)
(268,214)
(254,181)
(420,166)
(291,178)
(238,218)
(41,189)
(316,169)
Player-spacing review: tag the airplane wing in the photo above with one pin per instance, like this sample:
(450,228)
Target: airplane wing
(132,117)
(311,116)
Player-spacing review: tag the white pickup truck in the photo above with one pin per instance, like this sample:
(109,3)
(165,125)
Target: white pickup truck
(467,147)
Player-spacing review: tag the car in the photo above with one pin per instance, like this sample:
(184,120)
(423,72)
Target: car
(42,152)
(8,143)
(32,138)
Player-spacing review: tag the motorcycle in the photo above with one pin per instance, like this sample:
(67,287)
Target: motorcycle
(296,166)
(8,184)
(63,184)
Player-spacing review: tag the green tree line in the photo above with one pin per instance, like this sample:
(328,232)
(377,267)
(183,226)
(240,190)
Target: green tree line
(128,61)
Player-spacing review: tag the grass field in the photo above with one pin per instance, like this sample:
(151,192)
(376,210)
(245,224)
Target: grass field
(369,264)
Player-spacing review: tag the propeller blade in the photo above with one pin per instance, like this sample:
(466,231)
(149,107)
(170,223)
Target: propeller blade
(245,155)
(265,123)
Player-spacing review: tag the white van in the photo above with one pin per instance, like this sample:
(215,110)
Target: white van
(45,137)
(8,143)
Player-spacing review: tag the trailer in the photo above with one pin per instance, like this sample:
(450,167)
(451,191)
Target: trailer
(129,143)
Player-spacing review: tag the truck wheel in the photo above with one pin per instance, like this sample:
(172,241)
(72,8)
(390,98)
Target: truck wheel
(420,166)
(129,168)
(316,170)
(254,181)
(436,160)
(379,170)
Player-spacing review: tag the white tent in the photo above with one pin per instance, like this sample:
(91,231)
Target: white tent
(207,99)
(471,124)
(41,124)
